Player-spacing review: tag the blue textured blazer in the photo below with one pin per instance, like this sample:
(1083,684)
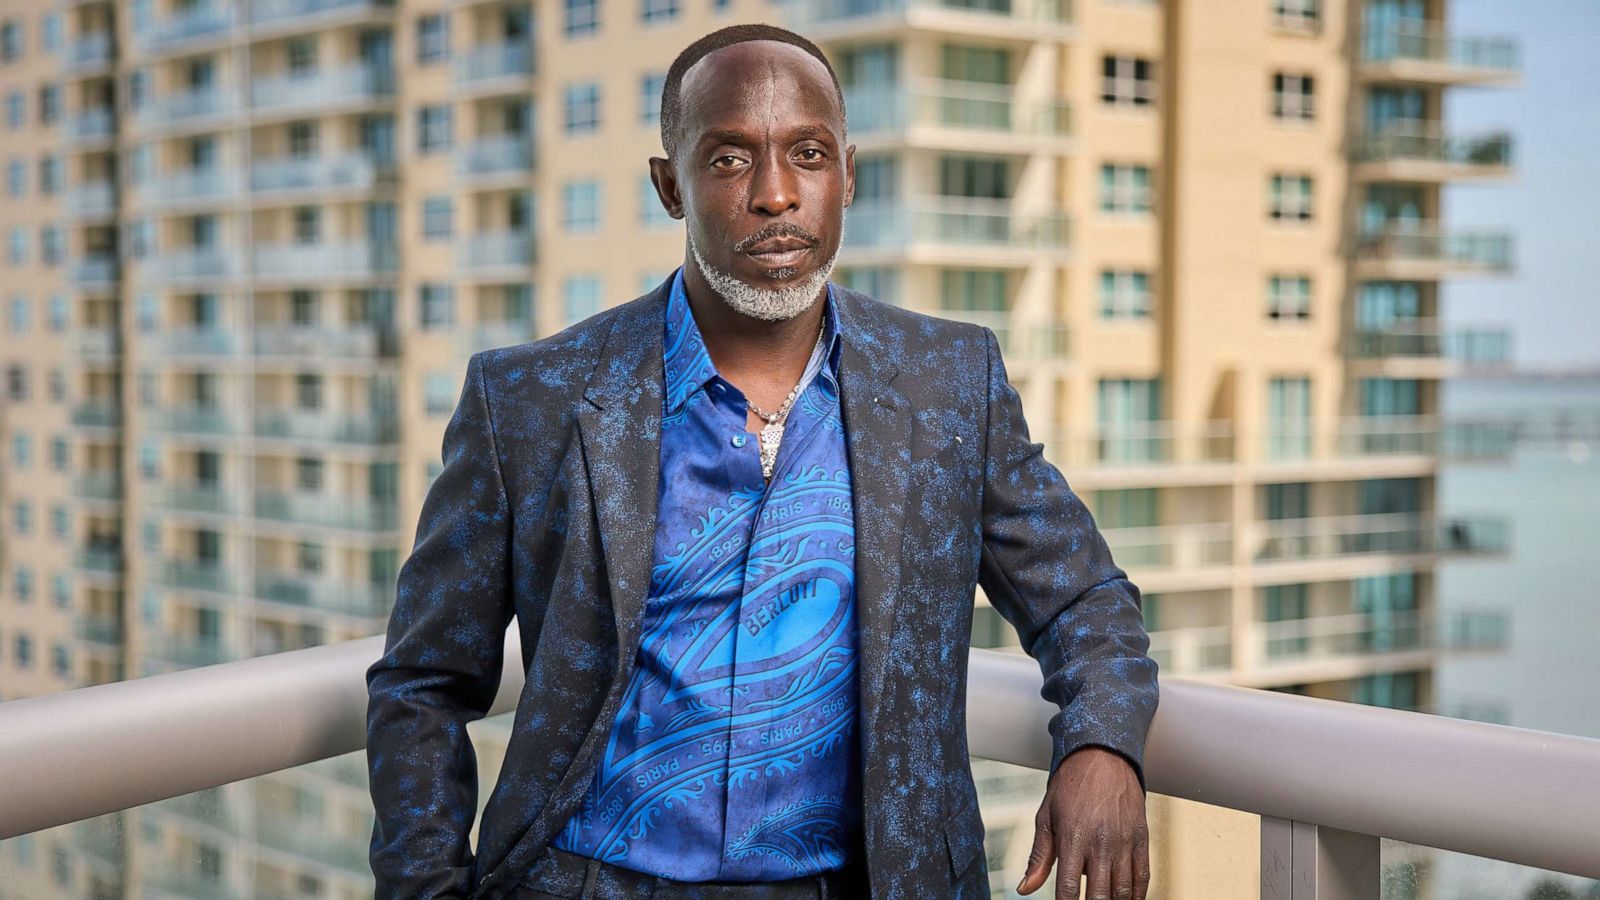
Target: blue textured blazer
(545,512)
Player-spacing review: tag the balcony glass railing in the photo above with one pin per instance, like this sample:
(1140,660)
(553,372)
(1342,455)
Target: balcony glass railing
(194,420)
(213,184)
(196,574)
(106,558)
(497,250)
(338,427)
(355,259)
(1428,339)
(1020,340)
(496,155)
(197,497)
(89,51)
(1463,250)
(98,413)
(96,270)
(92,124)
(268,12)
(198,341)
(965,105)
(1425,142)
(326,510)
(959,222)
(95,198)
(1050,12)
(98,485)
(1430,43)
(1332,537)
(321,88)
(297,589)
(347,342)
(185,107)
(495,61)
(352,171)
(199,22)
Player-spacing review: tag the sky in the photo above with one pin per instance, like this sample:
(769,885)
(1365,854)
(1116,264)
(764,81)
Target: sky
(1550,301)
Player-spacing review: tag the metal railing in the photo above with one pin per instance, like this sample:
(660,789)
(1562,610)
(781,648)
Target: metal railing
(1320,772)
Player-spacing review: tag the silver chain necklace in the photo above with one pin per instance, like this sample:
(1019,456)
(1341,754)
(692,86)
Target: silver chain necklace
(772,432)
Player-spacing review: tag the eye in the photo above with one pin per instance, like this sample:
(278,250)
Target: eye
(723,157)
(817,150)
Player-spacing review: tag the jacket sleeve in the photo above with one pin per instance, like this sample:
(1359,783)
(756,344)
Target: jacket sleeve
(441,665)
(1047,570)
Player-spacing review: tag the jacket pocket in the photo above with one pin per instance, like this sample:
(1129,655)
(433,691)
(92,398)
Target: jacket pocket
(963,837)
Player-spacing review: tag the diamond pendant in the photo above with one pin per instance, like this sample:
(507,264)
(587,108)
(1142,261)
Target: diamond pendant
(771,436)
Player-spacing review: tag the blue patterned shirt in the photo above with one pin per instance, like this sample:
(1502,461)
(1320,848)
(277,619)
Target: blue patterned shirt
(734,755)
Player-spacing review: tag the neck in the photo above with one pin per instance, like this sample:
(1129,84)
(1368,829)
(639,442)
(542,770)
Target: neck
(757,355)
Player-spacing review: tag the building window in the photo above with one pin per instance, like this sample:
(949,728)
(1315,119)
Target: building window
(651,213)
(50,32)
(50,175)
(308,391)
(50,245)
(1293,97)
(650,87)
(437,304)
(1288,297)
(580,296)
(307,224)
(433,129)
(581,17)
(1291,198)
(433,38)
(1124,294)
(655,12)
(583,107)
(10,40)
(17,246)
(16,178)
(437,213)
(1299,15)
(1127,81)
(1125,189)
(302,140)
(49,104)
(580,206)
(308,473)
(1289,418)
(302,52)
(438,392)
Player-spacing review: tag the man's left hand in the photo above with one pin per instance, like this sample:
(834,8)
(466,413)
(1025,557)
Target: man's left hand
(1092,822)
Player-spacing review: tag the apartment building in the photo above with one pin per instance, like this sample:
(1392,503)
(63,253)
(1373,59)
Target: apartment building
(250,246)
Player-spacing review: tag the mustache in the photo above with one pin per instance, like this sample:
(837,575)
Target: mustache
(776,229)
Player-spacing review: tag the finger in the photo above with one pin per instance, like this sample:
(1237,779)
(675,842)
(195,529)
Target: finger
(1101,855)
(1122,870)
(1069,874)
(1141,863)
(1041,856)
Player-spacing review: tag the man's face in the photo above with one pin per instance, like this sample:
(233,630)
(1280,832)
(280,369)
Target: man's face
(762,176)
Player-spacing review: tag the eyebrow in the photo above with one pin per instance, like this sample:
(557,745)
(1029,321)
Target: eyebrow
(735,136)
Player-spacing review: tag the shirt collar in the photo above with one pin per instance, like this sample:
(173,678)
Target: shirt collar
(688,364)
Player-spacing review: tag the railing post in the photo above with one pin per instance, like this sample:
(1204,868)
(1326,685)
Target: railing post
(1301,861)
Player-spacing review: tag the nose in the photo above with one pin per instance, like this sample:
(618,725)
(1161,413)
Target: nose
(773,189)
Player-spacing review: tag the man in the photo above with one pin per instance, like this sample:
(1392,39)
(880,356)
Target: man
(739,521)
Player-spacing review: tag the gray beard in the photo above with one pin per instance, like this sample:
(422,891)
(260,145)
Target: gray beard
(770,304)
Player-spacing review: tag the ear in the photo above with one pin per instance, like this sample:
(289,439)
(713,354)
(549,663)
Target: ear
(665,178)
(849,174)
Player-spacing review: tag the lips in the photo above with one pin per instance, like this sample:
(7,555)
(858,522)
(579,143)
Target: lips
(776,252)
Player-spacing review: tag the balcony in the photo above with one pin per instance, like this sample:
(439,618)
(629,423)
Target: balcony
(328,427)
(351,172)
(185,30)
(309,262)
(99,412)
(309,342)
(1428,254)
(1425,53)
(1423,348)
(326,510)
(199,108)
(187,651)
(1321,774)
(952,230)
(198,497)
(321,90)
(89,54)
(487,335)
(1021,342)
(98,485)
(98,628)
(95,272)
(1323,648)
(92,199)
(958,116)
(185,265)
(347,598)
(92,125)
(268,15)
(497,254)
(208,420)
(196,187)
(191,342)
(211,576)
(99,343)
(496,156)
(1016,20)
(104,558)
(497,67)
(1420,152)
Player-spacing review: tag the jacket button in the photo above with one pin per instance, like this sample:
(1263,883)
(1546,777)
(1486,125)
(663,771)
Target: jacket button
(738,440)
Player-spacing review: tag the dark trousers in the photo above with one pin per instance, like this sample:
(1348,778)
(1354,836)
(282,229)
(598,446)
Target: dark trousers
(559,874)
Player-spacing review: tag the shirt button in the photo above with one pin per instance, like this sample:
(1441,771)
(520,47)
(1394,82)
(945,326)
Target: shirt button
(738,440)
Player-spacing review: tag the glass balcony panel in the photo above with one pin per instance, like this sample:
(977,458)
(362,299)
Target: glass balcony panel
(1415,872)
